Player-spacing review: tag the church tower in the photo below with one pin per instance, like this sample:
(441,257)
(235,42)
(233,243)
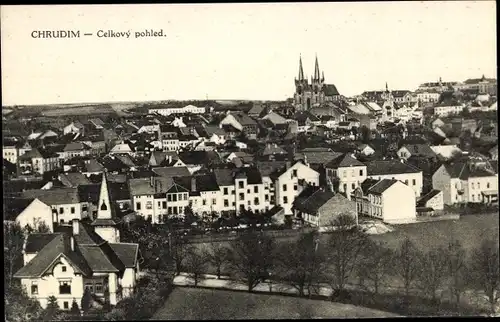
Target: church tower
(301,89)
(308,95)
(105,223)
(318,96)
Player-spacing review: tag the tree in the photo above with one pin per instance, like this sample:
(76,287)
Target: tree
(365,134)
(86,302)
(52,309)
(485,271)
(432,272)
(375,264)
(75,310)
(299,262)
(196,264)
(13,246)
(18,306)
(217,255)
(179,248)
(344,249)
(251,257)
(406,258)
(457,270)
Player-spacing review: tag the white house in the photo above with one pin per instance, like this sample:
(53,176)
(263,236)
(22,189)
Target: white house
(389,200)
(36,161)
(347,171)
(287,181)
(446,110)
(468,180)
(36,213)
(121,148)
(85,257)
(396,170)
(446,151)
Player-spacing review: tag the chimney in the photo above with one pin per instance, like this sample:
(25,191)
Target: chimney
(193,184)
(169,159)
(72,243)
(76,227)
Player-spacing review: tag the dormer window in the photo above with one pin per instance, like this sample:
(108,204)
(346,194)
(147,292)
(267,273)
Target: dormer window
(103,206)
(63,268)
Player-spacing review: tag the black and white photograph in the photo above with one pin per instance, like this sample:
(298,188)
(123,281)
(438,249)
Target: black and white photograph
(228,161)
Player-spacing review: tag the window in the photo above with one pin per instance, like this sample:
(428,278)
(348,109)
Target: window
(488,185)
(284,187)
(66,305)
(90,287)
(159,204)
(473,197)
(174,197)
(344,174)
(240,184)
(256,189)
(256,201)
(414,181)
(479,185)
(164,204)
(249,203)
(248,191)
(242,196)
(285,199)
(138,206)
(214,202)
(226,203)
(226,191)
(266,197)
(169,211)
(361,172)
(64,287)
(63,268)
(204,201)
(150,218)
(353,186)
(169,197)
(295,172)
(61,210)
(72,210)
(473,185)
(34,288)
(149,205)
(98,288)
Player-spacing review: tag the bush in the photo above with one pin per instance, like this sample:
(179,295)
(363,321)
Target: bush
(150,295)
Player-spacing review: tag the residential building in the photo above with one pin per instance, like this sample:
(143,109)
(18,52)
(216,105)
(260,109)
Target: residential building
(242,123)
(80,257)
(446,110)
(347,171)
(289,181)
(389,200)
(469,179)
(11,150)
(319,207)
(38,161)
(74,127)
(418,150)
(36,213)
(432,200)
(396,170)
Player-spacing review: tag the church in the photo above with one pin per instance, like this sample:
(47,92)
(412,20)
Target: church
(308,95)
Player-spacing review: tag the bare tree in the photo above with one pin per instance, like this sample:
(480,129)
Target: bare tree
(179,249)
(457,270)
(375,264)
(432,272)
(299,262)
(251,257)
(217,255)
(406,259)
(344,248)
(485,271)
(195,264)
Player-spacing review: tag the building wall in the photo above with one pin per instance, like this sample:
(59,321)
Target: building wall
(36,213)
(436,202)
(144,211)
(349,178)
(447,110)
(413,180)
(231,120)
(10,154)
(399,204)
(292,185)
(475,187)
(68,212)
(109,234)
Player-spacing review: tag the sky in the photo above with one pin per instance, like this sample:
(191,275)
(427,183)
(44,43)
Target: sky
(240,51)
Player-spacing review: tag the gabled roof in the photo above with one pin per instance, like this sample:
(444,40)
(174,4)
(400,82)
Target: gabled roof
(344,160)
(311,199)
(271,149)
(330,90)
(243,118)
(199,157)
(381,186)
(93,166)
(428,196)
(420,150)
(76,146)
(36,242)
(171,171)
(256,109)
(175,188)
(317,155)
(465,170)
(54,196)
(206,182)
(384,167)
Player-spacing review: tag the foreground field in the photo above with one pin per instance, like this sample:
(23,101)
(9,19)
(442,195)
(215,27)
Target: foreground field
(186,303)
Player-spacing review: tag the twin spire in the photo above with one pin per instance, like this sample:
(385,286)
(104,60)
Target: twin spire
(317,75)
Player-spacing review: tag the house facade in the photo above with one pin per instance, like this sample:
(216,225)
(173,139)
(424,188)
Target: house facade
(347,171)
(397,170)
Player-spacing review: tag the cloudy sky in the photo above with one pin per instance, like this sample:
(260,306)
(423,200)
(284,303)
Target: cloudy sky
(241,51)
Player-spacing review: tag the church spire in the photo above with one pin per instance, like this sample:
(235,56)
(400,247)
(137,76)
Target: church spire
(301,71)
(316,69)
(104,205)
(386,87)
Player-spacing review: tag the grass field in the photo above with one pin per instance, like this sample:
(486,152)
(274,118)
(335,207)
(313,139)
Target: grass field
(186,303)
